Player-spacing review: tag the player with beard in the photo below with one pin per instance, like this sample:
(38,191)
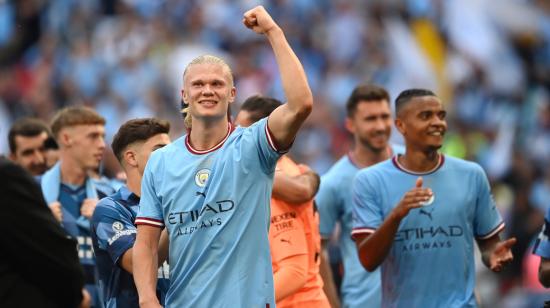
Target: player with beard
(26,138)
(369,120)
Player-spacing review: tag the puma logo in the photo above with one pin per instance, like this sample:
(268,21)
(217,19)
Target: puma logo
(286,241)
(427,213)
(198,193)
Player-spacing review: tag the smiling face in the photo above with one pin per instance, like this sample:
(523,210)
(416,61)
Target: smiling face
(370,124)
(30,153)
(422,123)
(208,90)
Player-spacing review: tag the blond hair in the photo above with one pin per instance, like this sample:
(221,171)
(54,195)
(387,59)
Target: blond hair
(204,59)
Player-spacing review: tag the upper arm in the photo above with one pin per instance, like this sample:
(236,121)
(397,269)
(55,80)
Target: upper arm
(113,232)
(150,206)
(148,237)
(486,245)
(284,124)
(367,212)
(487,219)
(329,207)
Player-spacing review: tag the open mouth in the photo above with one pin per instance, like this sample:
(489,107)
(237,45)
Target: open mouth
(437,133)
(208,103)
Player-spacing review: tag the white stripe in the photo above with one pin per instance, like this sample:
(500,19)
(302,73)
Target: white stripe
(212,148)
(497,230)
(361,231)
(147,221)
(269,139)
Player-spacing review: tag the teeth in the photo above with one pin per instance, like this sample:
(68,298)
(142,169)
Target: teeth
(436,134)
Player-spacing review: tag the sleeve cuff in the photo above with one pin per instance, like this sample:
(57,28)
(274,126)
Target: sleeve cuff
(149,222)
(361,230)
(271,141)
(491,233)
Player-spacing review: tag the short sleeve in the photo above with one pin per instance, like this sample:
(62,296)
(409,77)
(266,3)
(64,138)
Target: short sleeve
(367,211)
(328,206)
(115,233)
(287,235)
(542,244)
(487,221)
(268,153)
(150,205)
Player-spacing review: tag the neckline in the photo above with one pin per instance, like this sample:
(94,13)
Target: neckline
(439,164)
(230,129)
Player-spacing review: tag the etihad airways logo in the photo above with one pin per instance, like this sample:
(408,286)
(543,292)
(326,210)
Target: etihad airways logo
(433,237)
(193,215)
(206,217)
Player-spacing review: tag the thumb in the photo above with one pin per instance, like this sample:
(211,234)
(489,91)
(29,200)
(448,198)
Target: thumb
(509,242)
(419,182)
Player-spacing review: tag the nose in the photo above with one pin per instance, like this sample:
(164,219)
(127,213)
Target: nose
(39,157)
(207,90)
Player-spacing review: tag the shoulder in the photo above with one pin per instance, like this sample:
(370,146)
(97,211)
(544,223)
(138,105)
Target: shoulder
(380,170)
(463,165)
(342,168)
(9,168)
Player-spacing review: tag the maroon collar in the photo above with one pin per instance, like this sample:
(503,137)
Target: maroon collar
(230,129)
(434,169)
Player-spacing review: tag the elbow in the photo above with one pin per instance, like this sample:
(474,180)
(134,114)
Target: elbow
(369,266)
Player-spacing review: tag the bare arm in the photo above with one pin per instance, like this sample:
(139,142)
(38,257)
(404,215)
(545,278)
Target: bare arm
(295,189)
(374,248)
(291,276)
(544,272)
(328,280)
(145,264)
(126,261)
(495,253)
(285,121)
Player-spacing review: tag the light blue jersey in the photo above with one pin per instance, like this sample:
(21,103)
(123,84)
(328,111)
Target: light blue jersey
(215,205)
(359,288)
(431,261)
(542,245)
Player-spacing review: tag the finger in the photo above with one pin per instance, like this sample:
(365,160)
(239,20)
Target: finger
(419,182)
(509,243)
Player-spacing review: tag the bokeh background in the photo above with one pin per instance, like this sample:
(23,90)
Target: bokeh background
(488,60)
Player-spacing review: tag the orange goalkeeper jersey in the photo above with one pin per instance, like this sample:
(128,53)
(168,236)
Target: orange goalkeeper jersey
(294,230)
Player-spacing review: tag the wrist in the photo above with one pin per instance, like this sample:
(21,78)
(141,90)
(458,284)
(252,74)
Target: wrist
(274,32)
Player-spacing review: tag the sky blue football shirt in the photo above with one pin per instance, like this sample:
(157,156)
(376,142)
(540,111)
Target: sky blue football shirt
(431,262)
(215,205)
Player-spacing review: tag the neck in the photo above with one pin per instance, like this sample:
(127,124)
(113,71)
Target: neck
(205,136)
(133,181)
(364,156)
(419,161)
(71,172)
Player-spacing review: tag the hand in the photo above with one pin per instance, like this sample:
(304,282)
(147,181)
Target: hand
(259,20)
(413,199)
(88,207)
(86,300)
(501,254)
(304,168)
(55,207)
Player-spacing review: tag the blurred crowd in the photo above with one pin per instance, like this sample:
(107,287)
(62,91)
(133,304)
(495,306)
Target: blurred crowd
(489,62)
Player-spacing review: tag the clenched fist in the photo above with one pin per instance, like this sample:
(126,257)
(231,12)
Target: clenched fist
(259,20)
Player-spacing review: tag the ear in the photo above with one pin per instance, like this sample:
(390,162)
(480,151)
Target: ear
(400,125)
(130,158)
(232,94)
(350,126)
(65,138)
(184,96)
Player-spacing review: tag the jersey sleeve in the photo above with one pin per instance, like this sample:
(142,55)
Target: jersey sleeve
(542,244)
(287,235)
(328,206)
(263,142)
(150,206)
(367,212)
(115,233)
(487,220)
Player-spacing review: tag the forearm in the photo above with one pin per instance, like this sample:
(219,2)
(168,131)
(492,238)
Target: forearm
(293,76)
(374,248)
(293,189)
(145,265)
(328,280)
(486,248)
(291,276)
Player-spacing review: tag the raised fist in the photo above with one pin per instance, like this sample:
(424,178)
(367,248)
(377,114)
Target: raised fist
(259,20)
